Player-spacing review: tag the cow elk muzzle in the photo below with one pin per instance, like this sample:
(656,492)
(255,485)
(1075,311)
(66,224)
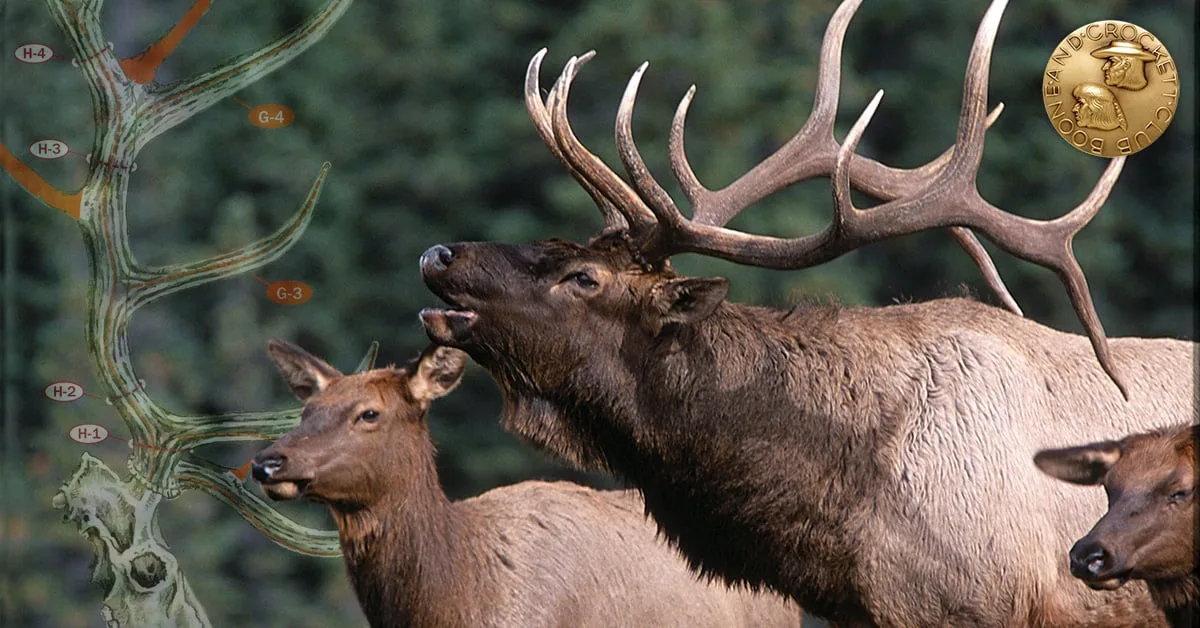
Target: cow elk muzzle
(1099,568)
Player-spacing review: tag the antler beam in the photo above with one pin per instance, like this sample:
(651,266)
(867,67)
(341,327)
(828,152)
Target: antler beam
(940,194)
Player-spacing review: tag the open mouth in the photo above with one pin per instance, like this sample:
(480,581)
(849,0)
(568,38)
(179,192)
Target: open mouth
(448,326)
(285,490)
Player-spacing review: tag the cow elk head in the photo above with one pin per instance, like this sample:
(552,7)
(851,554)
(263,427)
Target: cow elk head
(358,433)
(1149,530)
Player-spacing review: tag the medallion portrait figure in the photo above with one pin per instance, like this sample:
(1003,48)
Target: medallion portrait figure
(1125,65)
(1097,108)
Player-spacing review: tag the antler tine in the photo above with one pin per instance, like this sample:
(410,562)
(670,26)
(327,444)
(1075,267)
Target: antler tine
(810,152)
(541,121)
(659,201)
(613,218)
(952,198)
(807,154)
(968,148)
(637,217)
(844,210)
(970,243)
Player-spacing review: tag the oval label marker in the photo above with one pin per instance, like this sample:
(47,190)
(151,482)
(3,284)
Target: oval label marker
(289,292)
(88,433)
(271,116)
(49,149)
(33,52)
(63,392)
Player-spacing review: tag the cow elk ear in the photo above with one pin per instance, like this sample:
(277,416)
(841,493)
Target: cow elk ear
(1086,464)
(305,373)
(689,299)
(438,371)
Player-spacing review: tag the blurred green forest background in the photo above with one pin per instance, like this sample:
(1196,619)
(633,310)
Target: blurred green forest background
(418,106)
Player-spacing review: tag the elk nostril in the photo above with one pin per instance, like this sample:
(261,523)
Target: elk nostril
(437,257)
(1095,561)
(1088,559)
(262,470)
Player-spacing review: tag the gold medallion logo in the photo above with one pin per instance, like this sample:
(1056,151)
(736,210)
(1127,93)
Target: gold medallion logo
(1110,88)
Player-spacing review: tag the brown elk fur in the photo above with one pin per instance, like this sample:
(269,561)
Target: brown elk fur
(532,554)
(1149,530)
(871,463)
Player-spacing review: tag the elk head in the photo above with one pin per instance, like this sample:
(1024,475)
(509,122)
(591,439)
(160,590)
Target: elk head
(358,433)
(541,314)
(1149,530)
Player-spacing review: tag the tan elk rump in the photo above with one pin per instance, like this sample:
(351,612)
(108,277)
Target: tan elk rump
(871,463)
(529,555)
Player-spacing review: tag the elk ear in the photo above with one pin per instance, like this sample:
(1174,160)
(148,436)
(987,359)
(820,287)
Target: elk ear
(438,371)
(689,299)
(1086,464)
(305,373)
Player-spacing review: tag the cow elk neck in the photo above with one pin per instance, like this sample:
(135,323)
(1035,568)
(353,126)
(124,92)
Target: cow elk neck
(530,554)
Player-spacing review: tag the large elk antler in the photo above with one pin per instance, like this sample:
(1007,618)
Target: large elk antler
(939,194)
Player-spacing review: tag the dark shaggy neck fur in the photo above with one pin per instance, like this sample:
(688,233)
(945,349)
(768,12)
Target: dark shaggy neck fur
(1180,598)
(722,468)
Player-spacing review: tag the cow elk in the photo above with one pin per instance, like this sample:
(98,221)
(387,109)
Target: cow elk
(1149,530)
(532,554)
(842,456)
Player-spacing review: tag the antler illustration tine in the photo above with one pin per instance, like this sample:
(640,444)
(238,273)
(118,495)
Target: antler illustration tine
(205,476)
(142,67)
(182,100)
(36,186)
(159,282)
(368,361)
(193,432)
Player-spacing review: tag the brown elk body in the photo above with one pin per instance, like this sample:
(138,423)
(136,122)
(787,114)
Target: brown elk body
(843,456)
(531,554)
(1149,530)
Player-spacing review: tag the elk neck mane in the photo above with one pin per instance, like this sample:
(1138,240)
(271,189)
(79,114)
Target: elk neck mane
(817,394)
(1178,595)
(704,360)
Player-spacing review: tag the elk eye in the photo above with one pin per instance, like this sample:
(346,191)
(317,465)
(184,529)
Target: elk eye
(369,416)
(583,279)
(1180,496)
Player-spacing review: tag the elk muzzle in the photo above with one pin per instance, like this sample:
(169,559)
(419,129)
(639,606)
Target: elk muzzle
(268,469)
(1096,565)
(447,326)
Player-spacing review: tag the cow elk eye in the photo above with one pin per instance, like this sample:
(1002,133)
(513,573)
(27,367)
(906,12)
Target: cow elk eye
(1180,496)
(584,280)
(369,416)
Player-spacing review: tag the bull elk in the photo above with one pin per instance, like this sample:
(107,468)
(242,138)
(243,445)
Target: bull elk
(532,554)
(846,457)
(1149,530)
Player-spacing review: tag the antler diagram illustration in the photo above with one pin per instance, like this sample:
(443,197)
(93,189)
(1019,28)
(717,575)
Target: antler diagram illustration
(141,581)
